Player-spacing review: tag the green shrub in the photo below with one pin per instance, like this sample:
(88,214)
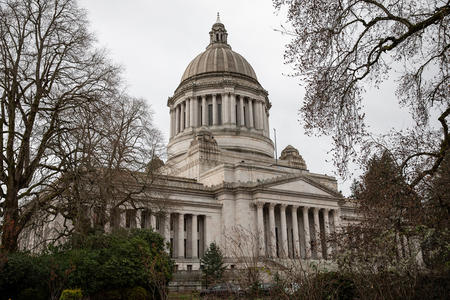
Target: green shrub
(136,293)
(336,285)
(32,293)
(71,295)
(99,263)
(22,274)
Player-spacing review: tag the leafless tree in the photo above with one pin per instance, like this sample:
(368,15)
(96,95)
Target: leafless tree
(48,69)
(111,164)
(340,47)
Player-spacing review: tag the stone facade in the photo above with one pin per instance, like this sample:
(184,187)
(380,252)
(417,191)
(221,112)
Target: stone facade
(221,176)
(220,138)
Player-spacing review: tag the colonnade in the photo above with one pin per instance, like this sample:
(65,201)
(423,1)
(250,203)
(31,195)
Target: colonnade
(295,232)
(186,233)
(217,110)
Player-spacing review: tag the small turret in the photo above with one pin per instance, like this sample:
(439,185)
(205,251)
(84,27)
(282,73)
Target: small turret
(218,33)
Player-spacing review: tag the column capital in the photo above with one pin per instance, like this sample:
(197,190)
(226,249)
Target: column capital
(306,208)
(272,205)
(259,204)
(283,205)
(294,206)
(327,209)
(316,209)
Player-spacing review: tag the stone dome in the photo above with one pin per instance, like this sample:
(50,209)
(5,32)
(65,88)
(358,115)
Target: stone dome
(218,57)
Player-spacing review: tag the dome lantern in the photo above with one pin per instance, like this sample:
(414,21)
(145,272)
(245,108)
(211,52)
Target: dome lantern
(218,33)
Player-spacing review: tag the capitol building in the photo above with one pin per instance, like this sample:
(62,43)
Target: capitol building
(222,182)
(224,176)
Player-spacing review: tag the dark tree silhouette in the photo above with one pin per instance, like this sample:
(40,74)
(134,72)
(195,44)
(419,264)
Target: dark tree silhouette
(340,47)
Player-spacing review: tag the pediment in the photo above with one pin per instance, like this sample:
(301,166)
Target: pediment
(300,185)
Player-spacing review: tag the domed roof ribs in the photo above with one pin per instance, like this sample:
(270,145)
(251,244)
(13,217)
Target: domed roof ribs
(219,57)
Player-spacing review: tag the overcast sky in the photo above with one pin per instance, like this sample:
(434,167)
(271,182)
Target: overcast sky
(155,41)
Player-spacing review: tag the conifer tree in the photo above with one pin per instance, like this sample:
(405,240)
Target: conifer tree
(212,263)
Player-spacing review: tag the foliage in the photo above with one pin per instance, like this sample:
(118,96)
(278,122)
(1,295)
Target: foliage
(212,263)
(102,263)
(136,293)
(71,295)
(340,47)
(68,126)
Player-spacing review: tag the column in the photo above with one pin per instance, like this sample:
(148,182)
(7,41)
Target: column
(250,113)
(284,244)
(296,239)
(206,237)
(166,229)
(180,236)
(225,108)
(171,123)
(204,111)
(267,123)
(177,119)
(317,233)
(194,105)
(152,220)
(260,220)
(406,246)
(188,112)
(194,236)
(263,119)
(306,228)
(182,117)
(260,115)
(272,242)
(214,104)
(233,109)
(326,223)
(241,111)
(336,220)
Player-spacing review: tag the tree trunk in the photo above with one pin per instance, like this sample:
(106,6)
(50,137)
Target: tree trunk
(11,230)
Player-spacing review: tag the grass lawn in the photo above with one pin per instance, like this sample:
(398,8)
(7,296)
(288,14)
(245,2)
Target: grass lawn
(184,296)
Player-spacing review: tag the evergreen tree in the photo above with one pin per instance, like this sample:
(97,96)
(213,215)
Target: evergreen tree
(212,263)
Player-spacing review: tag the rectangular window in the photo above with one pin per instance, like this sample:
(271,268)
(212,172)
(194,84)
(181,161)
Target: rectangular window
(189,268)
(157,222)
(185,248)
(115,217)
(198,248)
(144,216)
(130,218)
(219,113)
(171,223)
(210,114)
(185,224)
(171,247)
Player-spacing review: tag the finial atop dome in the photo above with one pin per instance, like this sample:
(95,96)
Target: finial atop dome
(218,18)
